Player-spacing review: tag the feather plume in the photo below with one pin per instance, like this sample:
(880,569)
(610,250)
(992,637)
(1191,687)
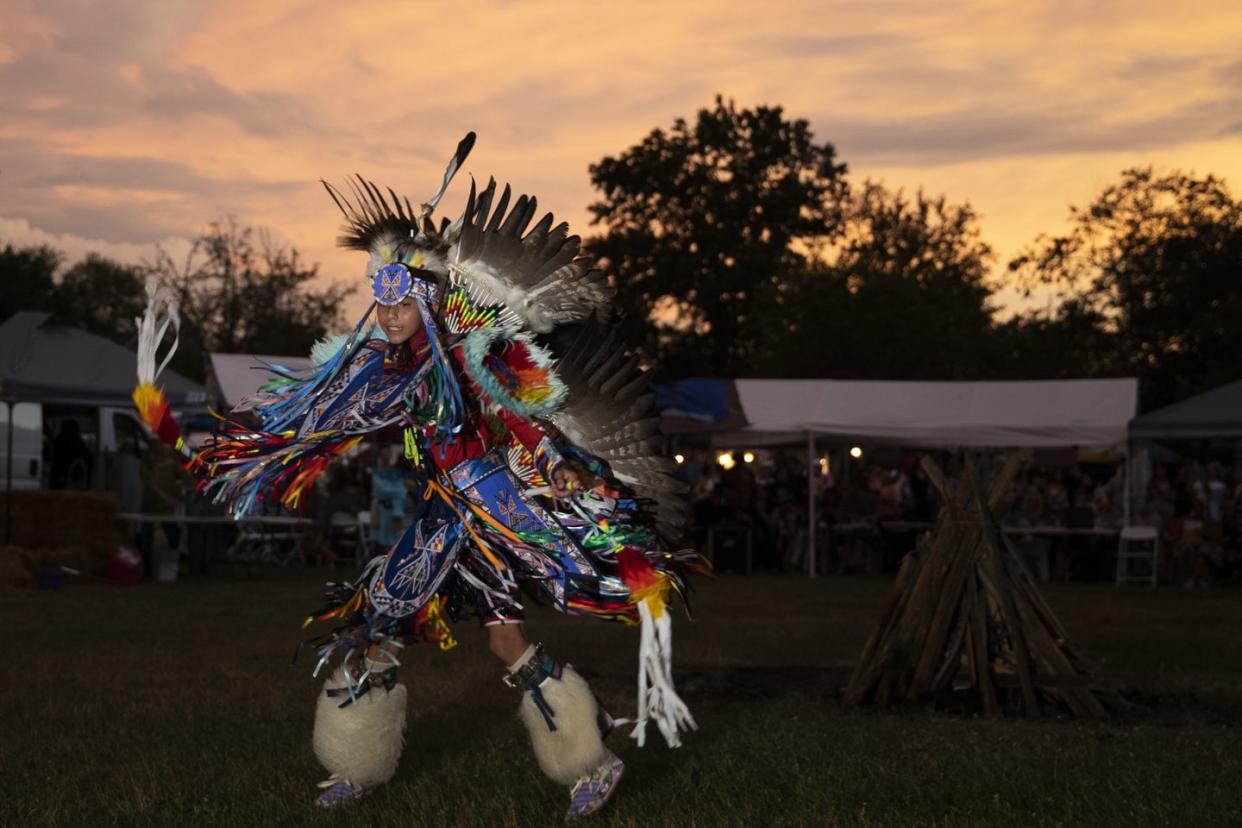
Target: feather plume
(608,416)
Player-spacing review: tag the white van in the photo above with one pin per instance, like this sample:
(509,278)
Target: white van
(57,446)
(21,438)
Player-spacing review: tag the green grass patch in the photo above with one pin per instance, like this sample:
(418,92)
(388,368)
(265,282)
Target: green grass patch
(177,705)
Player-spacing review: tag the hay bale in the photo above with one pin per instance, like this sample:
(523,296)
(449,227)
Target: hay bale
(65,519)
(17,567)
(74,557)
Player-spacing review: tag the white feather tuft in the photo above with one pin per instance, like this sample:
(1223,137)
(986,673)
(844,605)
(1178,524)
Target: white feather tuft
(153,325)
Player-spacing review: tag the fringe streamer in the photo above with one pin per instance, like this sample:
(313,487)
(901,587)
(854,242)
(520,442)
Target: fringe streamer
(657,698)
(450,411)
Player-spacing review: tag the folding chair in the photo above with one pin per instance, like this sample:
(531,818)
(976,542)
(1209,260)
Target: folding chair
(366,546)
(345,539)
(1138,543)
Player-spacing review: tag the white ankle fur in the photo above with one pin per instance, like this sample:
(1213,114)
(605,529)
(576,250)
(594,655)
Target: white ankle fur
(575,748)
(362,741)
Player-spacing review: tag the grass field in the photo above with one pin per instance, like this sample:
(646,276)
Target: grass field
(176,705)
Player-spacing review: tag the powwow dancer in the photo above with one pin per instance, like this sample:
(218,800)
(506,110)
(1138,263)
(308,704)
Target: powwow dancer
(537,476)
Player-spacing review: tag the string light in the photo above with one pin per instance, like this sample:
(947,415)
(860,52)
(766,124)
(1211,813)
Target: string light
(680,458)
(856,452)
(748,457)
(725,459)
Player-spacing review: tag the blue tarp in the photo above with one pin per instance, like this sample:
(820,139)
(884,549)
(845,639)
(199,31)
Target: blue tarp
(705,400)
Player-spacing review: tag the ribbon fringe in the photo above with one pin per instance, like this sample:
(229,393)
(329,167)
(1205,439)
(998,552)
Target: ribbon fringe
(657,698)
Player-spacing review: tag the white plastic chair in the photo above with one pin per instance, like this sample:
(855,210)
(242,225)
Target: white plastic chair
(345,539)
(365,544)
(1138,543)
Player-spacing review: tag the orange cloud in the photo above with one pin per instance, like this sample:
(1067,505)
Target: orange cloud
(238,108)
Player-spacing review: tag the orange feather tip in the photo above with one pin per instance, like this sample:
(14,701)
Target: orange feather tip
(644,581)
(150,403)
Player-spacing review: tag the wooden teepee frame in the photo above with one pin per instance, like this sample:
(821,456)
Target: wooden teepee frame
(966,614)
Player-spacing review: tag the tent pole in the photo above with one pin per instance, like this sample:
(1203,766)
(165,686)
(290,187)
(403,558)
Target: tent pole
(8,476)
(810,503)
(1127,482)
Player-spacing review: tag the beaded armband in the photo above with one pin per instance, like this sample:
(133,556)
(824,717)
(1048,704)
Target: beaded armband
(547,458)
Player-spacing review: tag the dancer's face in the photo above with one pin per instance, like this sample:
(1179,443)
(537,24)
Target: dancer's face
(400,321)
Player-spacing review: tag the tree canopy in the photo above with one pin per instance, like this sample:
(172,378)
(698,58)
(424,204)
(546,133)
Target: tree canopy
(903,294)
(27,279)
(239,292)
(236,289)
(706,223)
(739,249)
(1150,274)
(101,296)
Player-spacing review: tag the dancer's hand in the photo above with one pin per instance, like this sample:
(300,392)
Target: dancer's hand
(565,481)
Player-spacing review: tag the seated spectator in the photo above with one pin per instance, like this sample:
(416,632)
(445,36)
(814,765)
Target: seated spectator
(1082,560)
(71,458)
(388,495)
(1056,500)
(1160,499)
(1186,538)
(738,486)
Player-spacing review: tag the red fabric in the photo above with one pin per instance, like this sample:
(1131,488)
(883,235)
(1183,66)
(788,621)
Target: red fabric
(123,567)
(476,437)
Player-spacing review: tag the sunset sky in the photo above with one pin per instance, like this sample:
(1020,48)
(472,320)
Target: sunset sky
(127,124)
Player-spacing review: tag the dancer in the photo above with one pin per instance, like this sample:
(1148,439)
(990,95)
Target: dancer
(538,477)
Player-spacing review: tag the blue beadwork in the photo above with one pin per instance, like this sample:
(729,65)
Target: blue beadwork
(593,791)
(341,793)
(391,284)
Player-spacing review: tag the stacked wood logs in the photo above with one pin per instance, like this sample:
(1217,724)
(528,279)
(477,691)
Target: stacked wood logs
(965,615)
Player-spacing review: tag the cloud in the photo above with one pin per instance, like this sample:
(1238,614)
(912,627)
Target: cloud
(127,199)
(31,166)
(801,44)
(96,62)
(21,233)
(128,122)
(978,133)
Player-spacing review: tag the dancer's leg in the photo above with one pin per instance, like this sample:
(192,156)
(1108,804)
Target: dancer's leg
(359,738)
(507,642)
(562,716)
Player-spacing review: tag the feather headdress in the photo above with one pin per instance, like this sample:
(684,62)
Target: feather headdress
(534,277)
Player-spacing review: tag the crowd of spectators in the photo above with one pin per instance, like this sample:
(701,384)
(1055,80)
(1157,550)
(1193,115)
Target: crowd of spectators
(752,513)
(1198,509)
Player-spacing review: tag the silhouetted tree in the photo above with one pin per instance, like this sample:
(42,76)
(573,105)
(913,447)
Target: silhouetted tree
(705,224)
(239,296)
(101,296)
(1072,343)
(1157,261)
(96,294)
(26,279)
(903,294)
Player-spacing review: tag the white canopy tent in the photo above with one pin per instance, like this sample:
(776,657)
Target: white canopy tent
(1038,413)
